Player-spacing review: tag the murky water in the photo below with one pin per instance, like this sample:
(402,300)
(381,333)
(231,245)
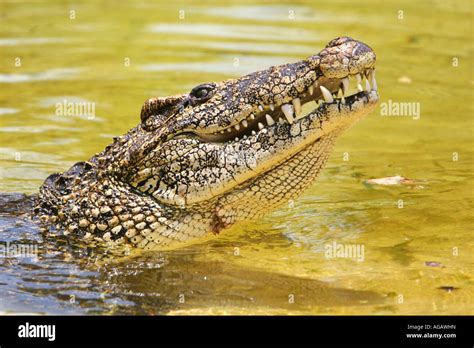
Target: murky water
(415,240)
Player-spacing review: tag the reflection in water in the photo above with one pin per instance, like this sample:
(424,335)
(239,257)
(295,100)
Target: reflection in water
(72,279)
(268,13)
(225,63)
(4,111)
(52,74)
(30,41)
(260,32)
(248,48)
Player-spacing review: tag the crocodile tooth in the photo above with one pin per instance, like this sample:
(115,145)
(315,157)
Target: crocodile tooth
(297,106)
(326,94)
(244,137)
(281,120)
(254,133)
(236,139)
(237,127)
(245,123)
(343,100)
(340,93)
(311,90)
(179,200)
(252,116)
(374,84)
(371,75)
(288,112)
(345,85)
(269,120)
(260,126)
(222,132)
(367,85)
(229,130)
(359,82)
(260,108)
(272,107)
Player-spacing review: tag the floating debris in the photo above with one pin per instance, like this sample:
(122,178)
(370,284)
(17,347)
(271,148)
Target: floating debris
(391,180)
(448,288)
(404,79)
(433,264)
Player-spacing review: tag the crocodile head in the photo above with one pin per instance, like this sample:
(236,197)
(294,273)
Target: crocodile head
(222,153)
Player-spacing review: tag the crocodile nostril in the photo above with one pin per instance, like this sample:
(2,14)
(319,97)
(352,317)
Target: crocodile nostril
(338,41)
(360,49)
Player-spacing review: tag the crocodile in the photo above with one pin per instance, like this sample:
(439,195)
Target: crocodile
(226,152)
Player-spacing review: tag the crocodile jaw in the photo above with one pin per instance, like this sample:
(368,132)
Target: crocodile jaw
(291,171)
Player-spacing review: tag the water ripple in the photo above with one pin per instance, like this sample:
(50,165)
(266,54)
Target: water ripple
(52,74)
(255,32)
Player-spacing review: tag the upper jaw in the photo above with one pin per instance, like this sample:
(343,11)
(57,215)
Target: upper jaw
(319,78)
(322,92)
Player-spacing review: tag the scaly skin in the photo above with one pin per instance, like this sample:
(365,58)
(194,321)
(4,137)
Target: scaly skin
(201,161)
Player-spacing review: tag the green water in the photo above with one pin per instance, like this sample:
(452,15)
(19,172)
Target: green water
(417,238)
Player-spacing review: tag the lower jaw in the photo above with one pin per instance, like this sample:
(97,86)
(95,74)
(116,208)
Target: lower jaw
(277,186)
(292,159)
(309,140)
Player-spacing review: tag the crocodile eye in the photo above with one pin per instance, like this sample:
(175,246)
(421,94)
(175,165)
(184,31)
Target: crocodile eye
(203,92)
